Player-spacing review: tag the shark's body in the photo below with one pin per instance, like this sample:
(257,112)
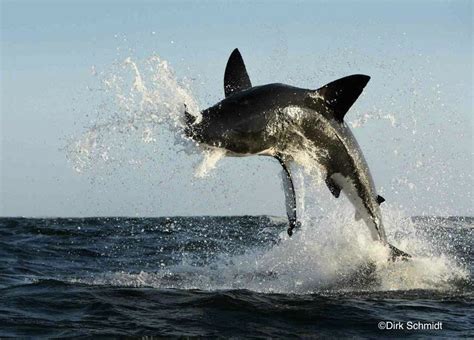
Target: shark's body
(277,119)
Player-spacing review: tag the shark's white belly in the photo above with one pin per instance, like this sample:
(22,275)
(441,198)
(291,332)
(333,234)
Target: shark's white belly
(350,190)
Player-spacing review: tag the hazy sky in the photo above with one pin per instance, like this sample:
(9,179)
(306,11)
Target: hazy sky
(414,121)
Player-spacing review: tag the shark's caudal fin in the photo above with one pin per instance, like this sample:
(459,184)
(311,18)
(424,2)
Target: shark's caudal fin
(340,94)
(236,78)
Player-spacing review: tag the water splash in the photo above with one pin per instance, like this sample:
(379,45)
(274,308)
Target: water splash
(209,161)
(312,261)
(329,252)
(363,118)
(141,101)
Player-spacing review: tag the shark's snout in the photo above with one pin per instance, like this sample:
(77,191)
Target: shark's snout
(189,118)
(190,130)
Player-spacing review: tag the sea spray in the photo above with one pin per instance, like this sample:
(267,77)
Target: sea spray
(141,101)
(330,254)
(327,253)
(211,157)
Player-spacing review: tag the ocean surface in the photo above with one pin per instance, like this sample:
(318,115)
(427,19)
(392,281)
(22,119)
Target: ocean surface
(229,276)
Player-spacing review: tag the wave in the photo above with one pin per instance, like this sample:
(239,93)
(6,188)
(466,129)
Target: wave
(328,254)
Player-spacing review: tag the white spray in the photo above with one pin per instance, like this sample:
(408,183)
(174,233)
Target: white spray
(328,250)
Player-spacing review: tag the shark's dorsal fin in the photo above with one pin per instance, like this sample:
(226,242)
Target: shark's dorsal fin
(236,78)
(340,94)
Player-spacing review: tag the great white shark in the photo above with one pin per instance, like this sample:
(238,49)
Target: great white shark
(277,119)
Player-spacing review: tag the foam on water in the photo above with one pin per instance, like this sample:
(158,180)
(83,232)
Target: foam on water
(332,253)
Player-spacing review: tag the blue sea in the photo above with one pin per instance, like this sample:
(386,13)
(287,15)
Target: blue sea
(229,277)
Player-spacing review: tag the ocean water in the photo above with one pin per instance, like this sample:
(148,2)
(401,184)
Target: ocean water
(229,276)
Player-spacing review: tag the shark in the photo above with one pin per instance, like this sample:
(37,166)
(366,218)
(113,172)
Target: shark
(277,119)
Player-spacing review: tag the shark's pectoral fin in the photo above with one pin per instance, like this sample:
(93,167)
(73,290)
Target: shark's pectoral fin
(333,187)
(339,95)
(380,199)
(290,196)
(236,78)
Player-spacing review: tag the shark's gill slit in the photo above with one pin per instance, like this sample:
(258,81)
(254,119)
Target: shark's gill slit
(270,119)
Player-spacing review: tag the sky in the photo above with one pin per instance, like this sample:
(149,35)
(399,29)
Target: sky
(414,121)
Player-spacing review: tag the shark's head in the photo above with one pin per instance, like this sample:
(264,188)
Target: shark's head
(213,126)
(202,130)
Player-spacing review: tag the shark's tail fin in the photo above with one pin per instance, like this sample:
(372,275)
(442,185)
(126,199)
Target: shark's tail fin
(397,254)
